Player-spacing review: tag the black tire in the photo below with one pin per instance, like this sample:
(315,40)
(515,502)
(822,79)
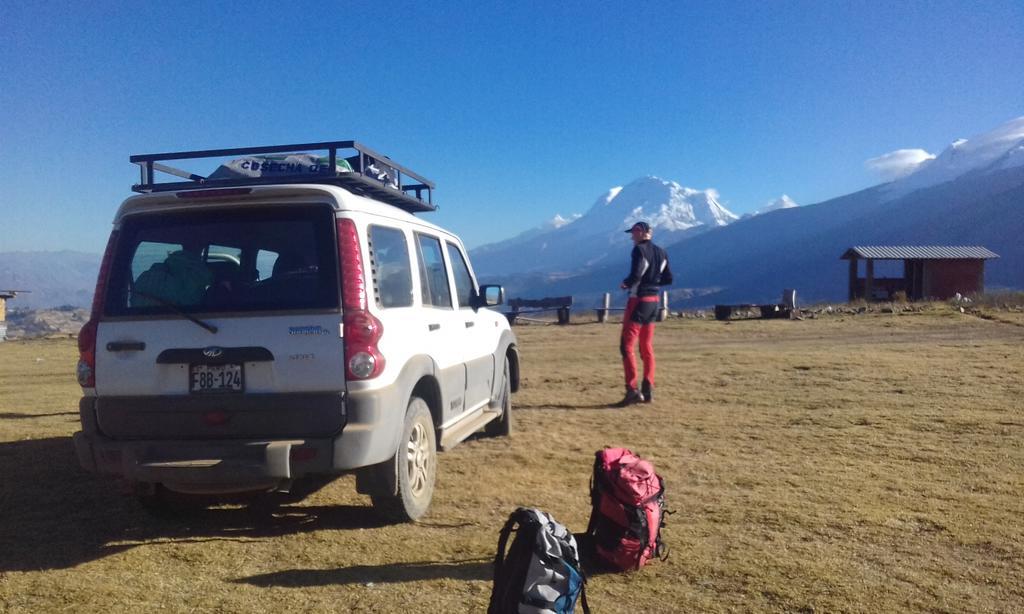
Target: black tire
(502,427)
(416,465)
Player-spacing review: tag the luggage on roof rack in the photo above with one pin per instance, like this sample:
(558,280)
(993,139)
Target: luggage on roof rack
(366,172)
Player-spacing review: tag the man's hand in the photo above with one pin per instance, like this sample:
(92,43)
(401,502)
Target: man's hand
(624,286)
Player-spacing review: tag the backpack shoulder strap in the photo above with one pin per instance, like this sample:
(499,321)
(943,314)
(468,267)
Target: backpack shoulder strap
(500,581)
(596,486)
(499,557)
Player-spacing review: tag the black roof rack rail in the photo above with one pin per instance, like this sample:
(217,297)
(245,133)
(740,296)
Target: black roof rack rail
(395,188)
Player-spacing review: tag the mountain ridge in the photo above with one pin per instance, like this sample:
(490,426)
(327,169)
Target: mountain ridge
(49,278)
(972,193)
(754,260)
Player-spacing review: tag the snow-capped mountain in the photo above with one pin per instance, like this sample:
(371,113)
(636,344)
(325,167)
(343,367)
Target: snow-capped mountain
(570,245)
(782,202)
(558,221)
(997,149)
(665,205)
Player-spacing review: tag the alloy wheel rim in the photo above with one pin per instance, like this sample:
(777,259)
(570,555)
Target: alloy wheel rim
(417,460)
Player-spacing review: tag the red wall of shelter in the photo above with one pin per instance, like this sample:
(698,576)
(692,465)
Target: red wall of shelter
(944,278)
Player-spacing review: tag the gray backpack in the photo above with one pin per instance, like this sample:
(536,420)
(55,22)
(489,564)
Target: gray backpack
(540,573)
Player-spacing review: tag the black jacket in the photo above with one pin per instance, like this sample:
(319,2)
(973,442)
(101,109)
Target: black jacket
(648,270)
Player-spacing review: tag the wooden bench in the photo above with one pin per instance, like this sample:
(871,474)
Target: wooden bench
(725,312)
(750,311)
(520,306)
(772,310)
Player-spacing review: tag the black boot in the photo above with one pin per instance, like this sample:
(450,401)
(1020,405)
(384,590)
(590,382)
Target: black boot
(632,397)
(647,390)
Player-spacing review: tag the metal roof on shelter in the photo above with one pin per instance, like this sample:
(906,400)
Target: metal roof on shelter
(919,252)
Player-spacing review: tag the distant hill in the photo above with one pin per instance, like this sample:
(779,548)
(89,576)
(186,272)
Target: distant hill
(800,248)
(52,279)
(29,323)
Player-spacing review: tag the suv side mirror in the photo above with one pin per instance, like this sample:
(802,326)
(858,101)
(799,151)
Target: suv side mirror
(490,296)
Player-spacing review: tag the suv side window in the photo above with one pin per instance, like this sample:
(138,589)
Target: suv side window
(463,280)
(392,274)
(433,274)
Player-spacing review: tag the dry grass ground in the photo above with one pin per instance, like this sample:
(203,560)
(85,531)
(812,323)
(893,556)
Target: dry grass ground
(858,463)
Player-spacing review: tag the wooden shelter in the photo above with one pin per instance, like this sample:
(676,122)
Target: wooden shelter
(929,271)
(5,295)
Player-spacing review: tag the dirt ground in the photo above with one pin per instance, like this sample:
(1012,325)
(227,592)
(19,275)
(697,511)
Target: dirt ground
(855,463)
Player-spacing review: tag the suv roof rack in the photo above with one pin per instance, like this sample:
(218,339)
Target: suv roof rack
(365,178)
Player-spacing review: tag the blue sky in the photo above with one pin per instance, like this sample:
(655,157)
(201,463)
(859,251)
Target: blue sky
(517,110)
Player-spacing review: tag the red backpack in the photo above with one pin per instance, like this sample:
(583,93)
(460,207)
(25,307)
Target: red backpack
(628,509)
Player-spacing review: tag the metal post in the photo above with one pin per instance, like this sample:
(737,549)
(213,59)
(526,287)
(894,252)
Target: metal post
(663,310)
(869,281)
(854,281)
(602,314)
(789,298)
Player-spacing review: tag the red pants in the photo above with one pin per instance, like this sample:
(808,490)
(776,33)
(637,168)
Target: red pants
(631,331)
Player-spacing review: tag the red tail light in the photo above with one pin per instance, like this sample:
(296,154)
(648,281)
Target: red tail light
(362,330)
(87,354)
(87,336)
(101,280)
(353,286)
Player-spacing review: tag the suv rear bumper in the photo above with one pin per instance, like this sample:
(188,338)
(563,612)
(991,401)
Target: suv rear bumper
(208,466)
(235,464)
(219,416)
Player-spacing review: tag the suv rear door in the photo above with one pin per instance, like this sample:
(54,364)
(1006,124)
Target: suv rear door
(265,279)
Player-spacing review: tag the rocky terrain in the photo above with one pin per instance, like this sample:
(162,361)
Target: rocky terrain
(33,323)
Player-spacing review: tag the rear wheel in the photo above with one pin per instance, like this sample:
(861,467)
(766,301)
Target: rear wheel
(502,427)
(416,466)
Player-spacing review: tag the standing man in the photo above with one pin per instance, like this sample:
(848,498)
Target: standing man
(648,271)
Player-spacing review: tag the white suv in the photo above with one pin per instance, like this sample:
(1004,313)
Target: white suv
(288,317)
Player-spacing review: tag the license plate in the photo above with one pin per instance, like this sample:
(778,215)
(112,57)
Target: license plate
(215,378)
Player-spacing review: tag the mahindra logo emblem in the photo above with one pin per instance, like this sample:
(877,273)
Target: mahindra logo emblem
(212,352)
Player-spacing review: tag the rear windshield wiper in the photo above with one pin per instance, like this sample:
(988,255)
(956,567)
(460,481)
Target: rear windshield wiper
(177,310)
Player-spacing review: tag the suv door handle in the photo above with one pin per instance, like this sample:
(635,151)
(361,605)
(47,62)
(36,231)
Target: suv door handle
(126,346)
(470,324)
(433,327)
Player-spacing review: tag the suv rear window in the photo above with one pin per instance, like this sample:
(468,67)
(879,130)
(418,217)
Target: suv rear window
(228,260)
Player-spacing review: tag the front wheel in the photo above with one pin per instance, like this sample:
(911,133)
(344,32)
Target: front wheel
(416,466)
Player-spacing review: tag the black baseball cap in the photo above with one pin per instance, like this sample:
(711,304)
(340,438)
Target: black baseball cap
(642,226)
